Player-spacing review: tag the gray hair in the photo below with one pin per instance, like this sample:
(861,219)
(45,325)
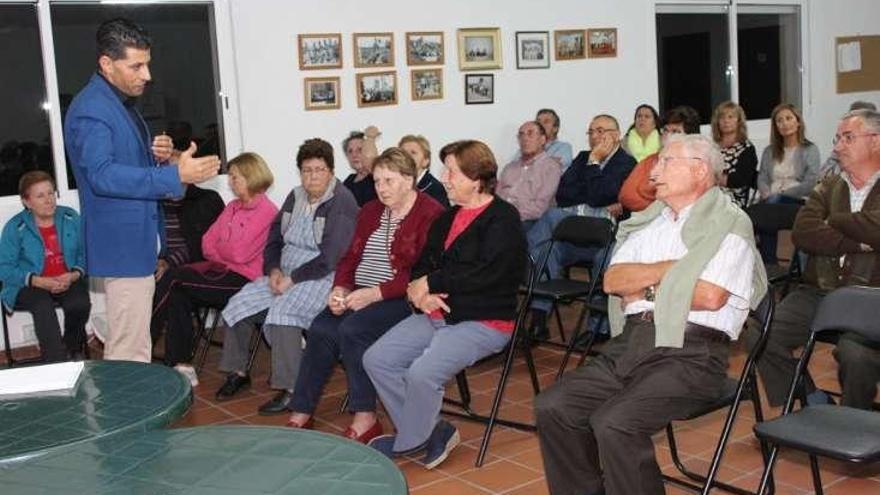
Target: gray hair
(871,118)
(699,146)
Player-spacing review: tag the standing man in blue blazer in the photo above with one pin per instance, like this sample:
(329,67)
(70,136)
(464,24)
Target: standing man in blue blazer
(116,165)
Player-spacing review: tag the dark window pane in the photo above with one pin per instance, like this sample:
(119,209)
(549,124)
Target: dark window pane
(182,99)
(693,55)
(25,142)
(769,61)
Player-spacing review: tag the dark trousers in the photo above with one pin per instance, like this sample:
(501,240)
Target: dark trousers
(41,305)
(768,240)
(859,363)
(595,424)
(346,337)
(179,291)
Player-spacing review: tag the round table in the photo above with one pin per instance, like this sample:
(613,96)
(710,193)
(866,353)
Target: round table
(112,397)
(216,460)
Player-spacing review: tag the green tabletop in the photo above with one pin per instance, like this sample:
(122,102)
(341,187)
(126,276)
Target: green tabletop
(216,460)
(112,397)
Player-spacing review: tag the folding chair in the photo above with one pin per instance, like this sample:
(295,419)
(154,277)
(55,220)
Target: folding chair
(520,338)
(582,232)
(773,217)
(733,393)
(838,432)
(203,337)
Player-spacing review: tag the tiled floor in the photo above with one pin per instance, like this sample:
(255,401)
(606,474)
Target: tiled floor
(513,465)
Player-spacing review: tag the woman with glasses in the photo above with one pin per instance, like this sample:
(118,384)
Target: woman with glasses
(789,168)
(368,293)
(306,240)
(740,159)
(642,139)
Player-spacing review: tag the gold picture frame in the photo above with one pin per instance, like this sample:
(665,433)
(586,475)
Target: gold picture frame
(426,84)
(479,48)
(376,89)
(373,50)
(319,51)
(321,93)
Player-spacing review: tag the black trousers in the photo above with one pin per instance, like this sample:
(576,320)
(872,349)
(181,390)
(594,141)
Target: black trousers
(595,424)
(41,305)
(178,292)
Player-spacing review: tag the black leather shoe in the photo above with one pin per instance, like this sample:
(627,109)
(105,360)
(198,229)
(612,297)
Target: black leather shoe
(234,382)
(279,404)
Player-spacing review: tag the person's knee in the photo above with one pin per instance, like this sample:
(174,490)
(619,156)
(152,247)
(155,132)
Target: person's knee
(373,360)
(547,403)
(607,422)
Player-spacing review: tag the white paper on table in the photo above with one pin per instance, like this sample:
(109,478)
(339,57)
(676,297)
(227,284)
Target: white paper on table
(849,57)
(52,379)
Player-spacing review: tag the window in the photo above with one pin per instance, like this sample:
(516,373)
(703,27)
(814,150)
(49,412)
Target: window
(25,140)
(698,46)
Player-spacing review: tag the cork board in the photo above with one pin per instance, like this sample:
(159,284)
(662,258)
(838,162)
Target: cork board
(866,79)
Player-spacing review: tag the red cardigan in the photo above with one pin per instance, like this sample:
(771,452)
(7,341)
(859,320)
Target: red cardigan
(409,239)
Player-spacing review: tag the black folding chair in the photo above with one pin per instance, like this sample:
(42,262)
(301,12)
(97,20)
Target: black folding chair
(203,337)
(520,339)
(838,432)
(583,232)
(733,393)
(774,217)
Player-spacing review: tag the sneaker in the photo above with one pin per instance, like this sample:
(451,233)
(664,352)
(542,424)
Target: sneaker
(443,439)
(189,373)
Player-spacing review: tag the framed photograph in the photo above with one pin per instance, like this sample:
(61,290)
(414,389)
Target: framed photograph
(479,88)
(427,84)
(373,49)
(375,89)
(532,50)
(425,48)
(320,51)
(602,42)
(570,44)
(321,93)
(479,48)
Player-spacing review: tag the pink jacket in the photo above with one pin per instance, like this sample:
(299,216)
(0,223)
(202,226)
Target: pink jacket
(238,236)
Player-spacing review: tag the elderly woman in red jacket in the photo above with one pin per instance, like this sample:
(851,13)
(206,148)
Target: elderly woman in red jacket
(368,293)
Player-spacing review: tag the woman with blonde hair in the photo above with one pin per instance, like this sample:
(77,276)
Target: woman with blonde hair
(420,151)
(740,158)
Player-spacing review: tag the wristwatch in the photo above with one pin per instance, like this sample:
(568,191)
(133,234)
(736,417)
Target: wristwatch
(650,293)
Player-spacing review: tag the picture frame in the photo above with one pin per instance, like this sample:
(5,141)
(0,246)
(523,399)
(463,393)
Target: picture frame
(479,48)
(373,50)
(376,89)
(321,93)
(570,44)
(479,89)
(426,84)
(425,48)
(602,43)
(532,49)
(319,51)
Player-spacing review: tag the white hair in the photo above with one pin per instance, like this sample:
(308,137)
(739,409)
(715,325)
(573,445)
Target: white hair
(699,146)
(871,118)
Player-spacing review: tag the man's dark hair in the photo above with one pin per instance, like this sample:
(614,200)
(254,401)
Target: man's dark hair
(685,115)
(115,35)
(551,112)
(315,148)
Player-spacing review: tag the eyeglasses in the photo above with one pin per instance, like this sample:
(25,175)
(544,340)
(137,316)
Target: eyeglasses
(663,161)
(847,138)
(314,171)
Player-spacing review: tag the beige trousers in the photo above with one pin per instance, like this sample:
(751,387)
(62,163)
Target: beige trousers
(129,309)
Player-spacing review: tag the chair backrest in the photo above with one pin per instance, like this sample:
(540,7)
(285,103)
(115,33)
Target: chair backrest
(850,309)
(584,231)
(772,217)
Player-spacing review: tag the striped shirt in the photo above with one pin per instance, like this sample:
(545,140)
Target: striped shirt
(730,269)
(375,265)
(176,250)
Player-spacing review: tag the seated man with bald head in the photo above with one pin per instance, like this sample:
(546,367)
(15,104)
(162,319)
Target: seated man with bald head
(683,276)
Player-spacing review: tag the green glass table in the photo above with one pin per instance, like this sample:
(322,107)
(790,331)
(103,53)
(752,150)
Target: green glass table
(111,398)
(215,460)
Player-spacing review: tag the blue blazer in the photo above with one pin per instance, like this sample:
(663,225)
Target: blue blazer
(119,183)
(22,252)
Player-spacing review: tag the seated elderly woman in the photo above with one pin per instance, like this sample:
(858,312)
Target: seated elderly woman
(420,151)
(306,240)
(233,249)
(42,262)
(465,285)
(360,182)
(368,293)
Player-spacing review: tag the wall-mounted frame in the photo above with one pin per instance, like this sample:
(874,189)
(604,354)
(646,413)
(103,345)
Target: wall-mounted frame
(602,42)
(425,48)
(321,93)
(532,50)
(376,89)
(479,48)
(570,44)
(320,51)
(426,84)
(373,50)
(479,89)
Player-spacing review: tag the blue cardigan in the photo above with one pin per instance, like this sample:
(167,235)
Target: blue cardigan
(22,252)
(118,181)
